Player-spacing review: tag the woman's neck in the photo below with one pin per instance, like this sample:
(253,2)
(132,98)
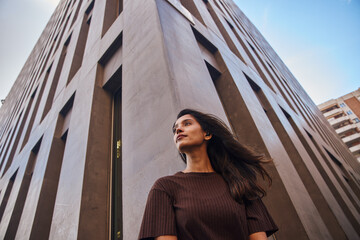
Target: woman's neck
(198,161)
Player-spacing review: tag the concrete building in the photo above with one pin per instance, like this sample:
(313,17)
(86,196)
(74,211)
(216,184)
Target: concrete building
(86,128)
(343,114)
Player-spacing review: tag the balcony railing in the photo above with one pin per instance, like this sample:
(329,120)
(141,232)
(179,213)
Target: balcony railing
(333,112)
(336,122)
(346,129)
(355,149)
(351,138)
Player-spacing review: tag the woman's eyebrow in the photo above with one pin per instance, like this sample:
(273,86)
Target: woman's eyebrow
(185,120)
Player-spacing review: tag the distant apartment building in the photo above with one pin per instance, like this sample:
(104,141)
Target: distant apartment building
(343,114)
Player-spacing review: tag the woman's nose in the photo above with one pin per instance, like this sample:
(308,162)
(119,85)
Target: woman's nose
(178,130)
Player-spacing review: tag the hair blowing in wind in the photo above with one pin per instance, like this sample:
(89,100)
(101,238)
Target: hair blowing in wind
(238,164)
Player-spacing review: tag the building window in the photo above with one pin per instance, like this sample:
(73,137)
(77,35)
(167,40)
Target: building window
(116,232)
(356,120)
(342,105)
(349,112)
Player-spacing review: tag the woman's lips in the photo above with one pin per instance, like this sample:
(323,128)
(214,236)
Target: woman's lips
(181,136)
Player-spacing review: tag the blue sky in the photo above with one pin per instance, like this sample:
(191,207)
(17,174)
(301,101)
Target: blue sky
(22,22)
(319,40)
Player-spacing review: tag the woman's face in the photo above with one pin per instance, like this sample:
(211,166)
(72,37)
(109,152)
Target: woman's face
(188,133)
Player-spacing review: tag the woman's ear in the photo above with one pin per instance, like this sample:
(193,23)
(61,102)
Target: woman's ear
(208,136)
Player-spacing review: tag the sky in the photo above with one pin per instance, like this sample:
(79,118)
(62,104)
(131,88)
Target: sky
(319,40)
(21,24)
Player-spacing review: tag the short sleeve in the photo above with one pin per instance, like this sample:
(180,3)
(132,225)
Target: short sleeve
(159,217)
(258,218)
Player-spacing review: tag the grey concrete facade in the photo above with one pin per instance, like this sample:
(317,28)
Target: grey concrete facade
(86,129)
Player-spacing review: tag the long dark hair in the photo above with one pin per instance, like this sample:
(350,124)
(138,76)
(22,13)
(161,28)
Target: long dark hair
(236,163)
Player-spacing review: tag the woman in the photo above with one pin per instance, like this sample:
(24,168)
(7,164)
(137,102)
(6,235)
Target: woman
(217,195)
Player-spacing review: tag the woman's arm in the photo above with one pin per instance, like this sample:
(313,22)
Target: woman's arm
(258,236)
(167,237)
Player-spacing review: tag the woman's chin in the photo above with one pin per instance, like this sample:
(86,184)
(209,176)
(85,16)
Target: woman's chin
(182,147)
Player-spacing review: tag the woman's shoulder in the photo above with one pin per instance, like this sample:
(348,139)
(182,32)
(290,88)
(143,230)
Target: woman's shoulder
(167,182)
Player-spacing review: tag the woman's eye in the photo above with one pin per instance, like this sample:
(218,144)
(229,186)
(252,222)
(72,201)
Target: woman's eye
(187,124)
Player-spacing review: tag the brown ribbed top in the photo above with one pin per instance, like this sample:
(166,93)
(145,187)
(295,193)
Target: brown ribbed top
(199,206)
